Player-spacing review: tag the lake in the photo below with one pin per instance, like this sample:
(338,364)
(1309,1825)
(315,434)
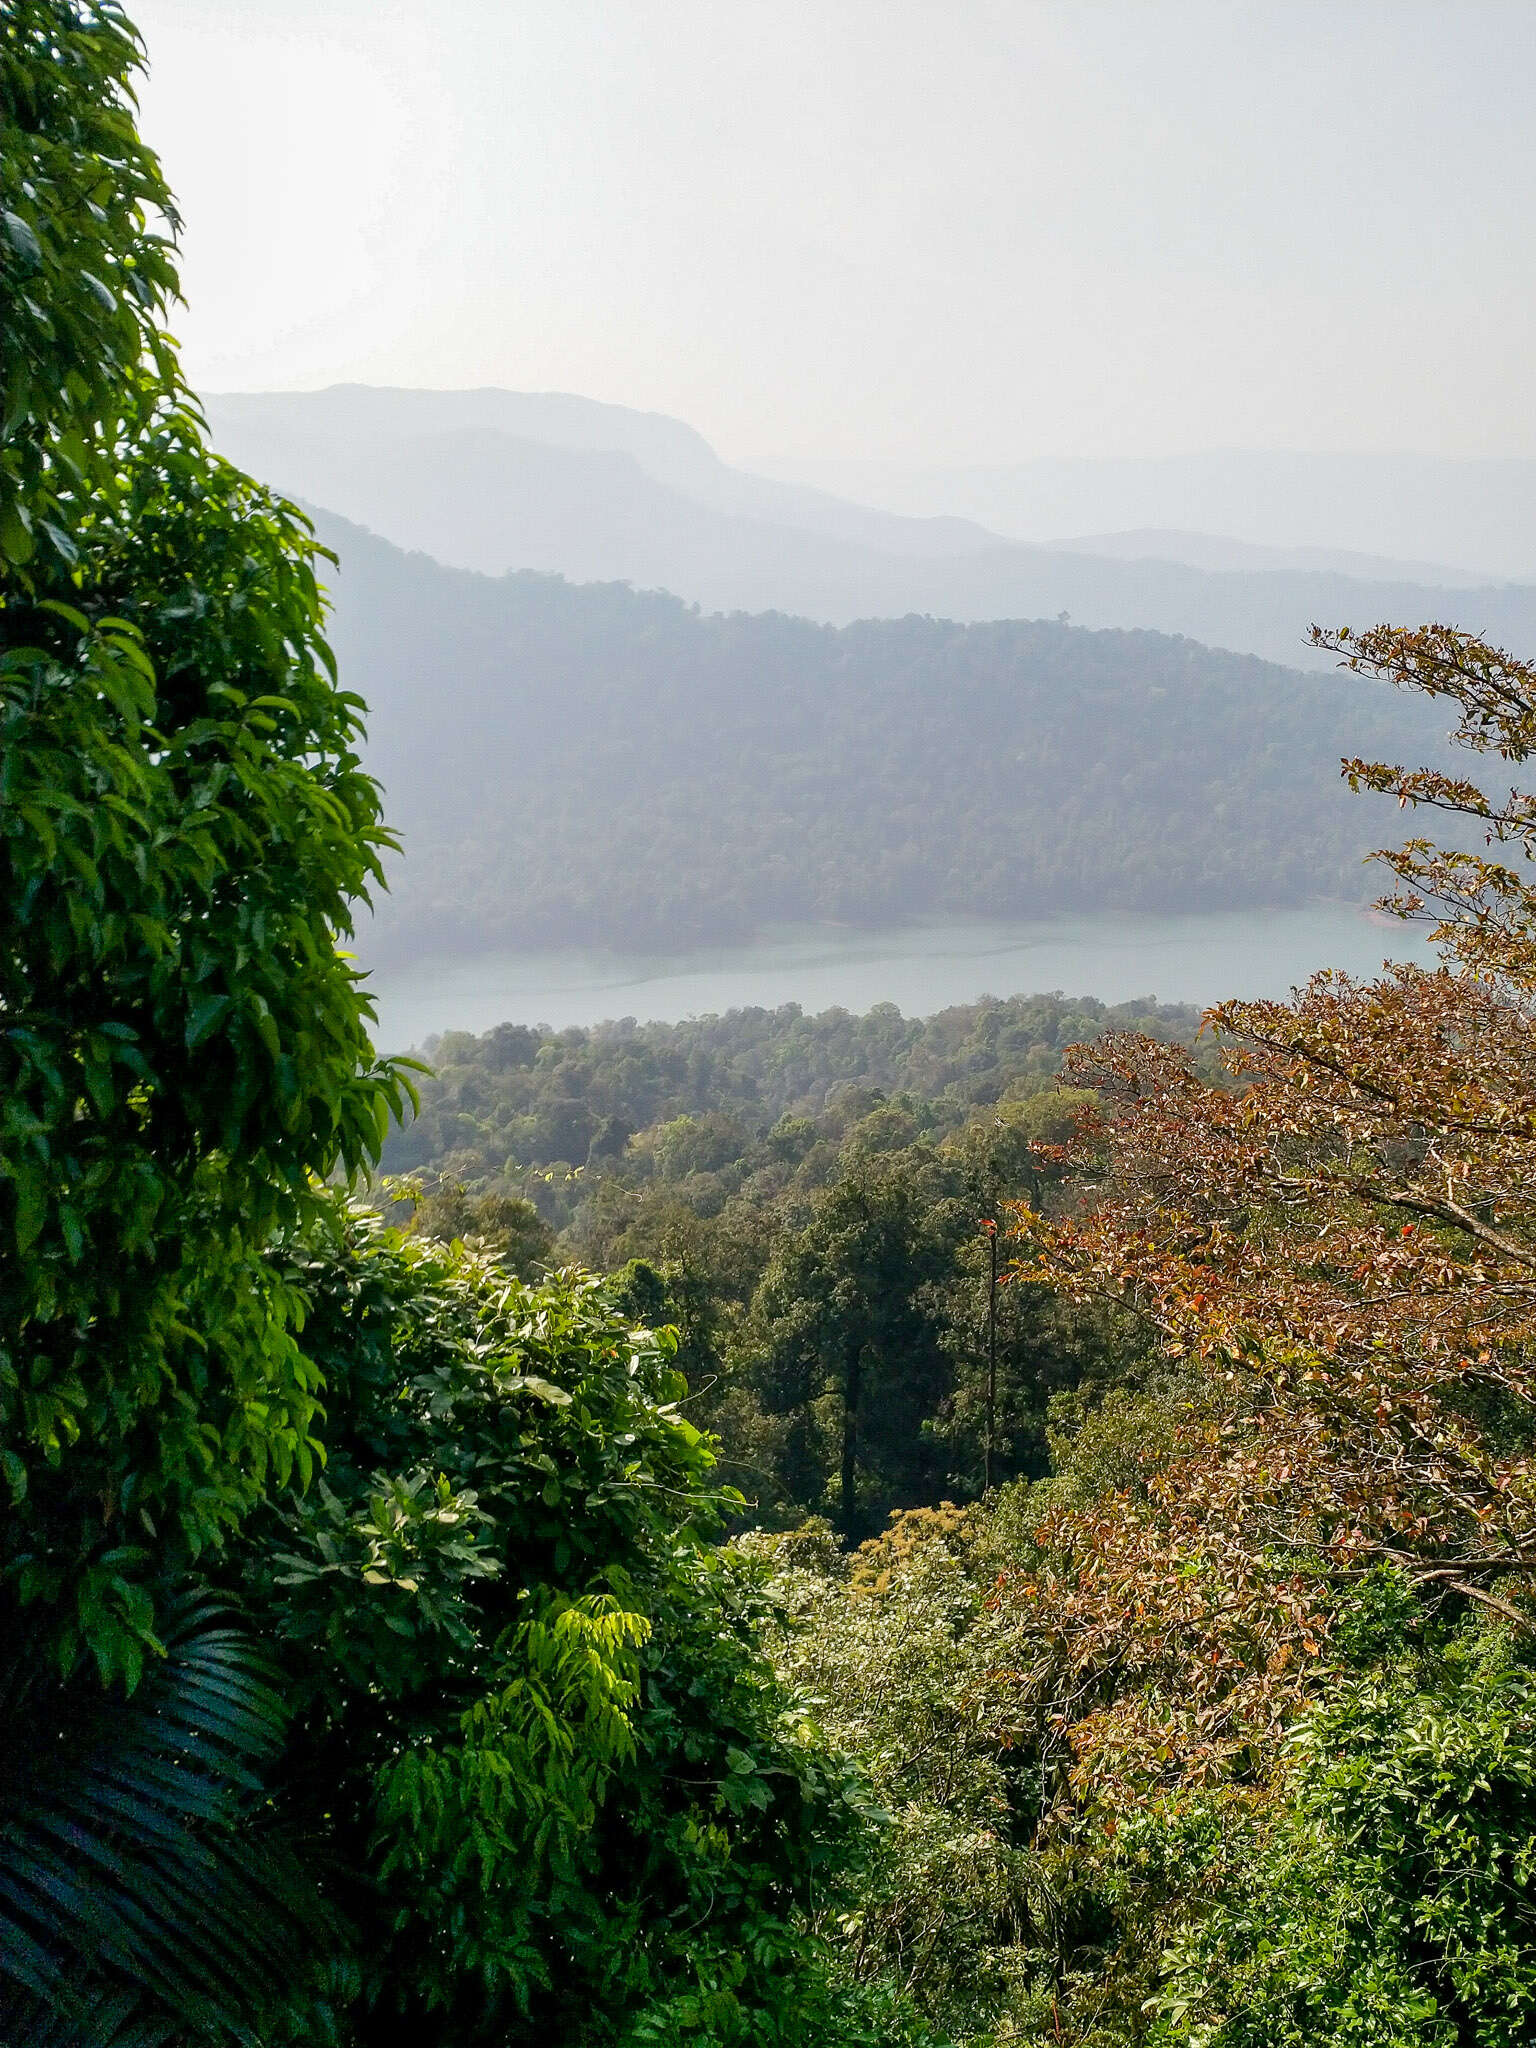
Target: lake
(1198,957)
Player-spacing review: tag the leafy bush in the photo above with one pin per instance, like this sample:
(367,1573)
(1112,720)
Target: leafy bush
(1392,1902)
(898,1649)
(531,1718)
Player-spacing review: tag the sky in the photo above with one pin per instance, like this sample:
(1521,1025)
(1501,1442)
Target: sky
(907,231)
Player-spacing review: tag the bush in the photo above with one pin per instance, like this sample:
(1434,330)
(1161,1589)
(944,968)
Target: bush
(531,1718)
(1392,1903)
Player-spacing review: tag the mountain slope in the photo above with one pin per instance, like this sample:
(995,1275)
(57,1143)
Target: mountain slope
(586,765)
(1212,551)
(476,480)
(337,442)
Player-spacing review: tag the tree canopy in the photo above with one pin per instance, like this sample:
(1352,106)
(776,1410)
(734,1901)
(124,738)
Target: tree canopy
(187,828)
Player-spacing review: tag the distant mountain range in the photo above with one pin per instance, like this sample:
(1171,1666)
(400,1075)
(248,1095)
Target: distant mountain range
(1410,510)
(1213,552)
(496,480)
(588,765)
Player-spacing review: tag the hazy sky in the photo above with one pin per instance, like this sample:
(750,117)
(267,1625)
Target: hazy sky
(922,230)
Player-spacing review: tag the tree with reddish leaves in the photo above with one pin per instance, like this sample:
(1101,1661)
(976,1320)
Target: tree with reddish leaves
(1338,1247)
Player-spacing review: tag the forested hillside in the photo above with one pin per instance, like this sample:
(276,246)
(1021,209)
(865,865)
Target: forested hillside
(518,1097)
(577,765)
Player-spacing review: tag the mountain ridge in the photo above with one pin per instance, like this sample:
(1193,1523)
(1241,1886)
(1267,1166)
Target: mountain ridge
(1477,515)
(473,494)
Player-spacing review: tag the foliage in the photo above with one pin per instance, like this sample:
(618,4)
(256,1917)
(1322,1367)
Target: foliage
(1335,1252)
(509,1226)
(1366,1883)
(519,1098)
(136,1903)
(723,1222)
(897,1645)
(849,1337)
(1480,908)
(531,1719)
(185,828)
(1389,1903)
(1206,1737)
(1347,1239)
(86,277)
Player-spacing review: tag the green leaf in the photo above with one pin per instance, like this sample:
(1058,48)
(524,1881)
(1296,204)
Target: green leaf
(541,1389)
(204,1017)
(31,1207)
(21,237)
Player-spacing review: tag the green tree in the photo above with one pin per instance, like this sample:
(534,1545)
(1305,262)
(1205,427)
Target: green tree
(508,1226)
(184,828)
(904,1651)
(848,1333)
(1391,1901)
(86,279)
(535,1734)
(184,1055)
(1047,1348)
(1014,1349)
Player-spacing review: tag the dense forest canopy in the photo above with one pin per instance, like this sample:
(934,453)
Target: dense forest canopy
(747,1174)
(517,1096)
(760,770)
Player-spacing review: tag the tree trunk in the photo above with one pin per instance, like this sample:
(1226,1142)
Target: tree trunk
(853,1372)
(991,1357)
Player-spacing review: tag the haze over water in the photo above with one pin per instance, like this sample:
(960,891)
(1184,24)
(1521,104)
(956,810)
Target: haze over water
(1199,957)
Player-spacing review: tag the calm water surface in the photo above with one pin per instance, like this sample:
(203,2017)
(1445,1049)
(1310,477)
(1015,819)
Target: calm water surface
(1195,958)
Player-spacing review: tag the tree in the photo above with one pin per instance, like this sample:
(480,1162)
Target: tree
(847,1319)
(1391,1899)
(186,828)
(1047,1349)
(535,1741)
(509,1226)
(86,280)
(908,1658)
(1336,1250)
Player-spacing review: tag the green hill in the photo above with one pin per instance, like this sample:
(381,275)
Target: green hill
(588,765)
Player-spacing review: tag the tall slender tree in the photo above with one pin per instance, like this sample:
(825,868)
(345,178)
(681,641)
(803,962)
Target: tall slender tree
(848,1321)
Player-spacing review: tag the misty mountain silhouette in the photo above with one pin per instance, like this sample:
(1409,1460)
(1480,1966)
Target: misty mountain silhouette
(493,480)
